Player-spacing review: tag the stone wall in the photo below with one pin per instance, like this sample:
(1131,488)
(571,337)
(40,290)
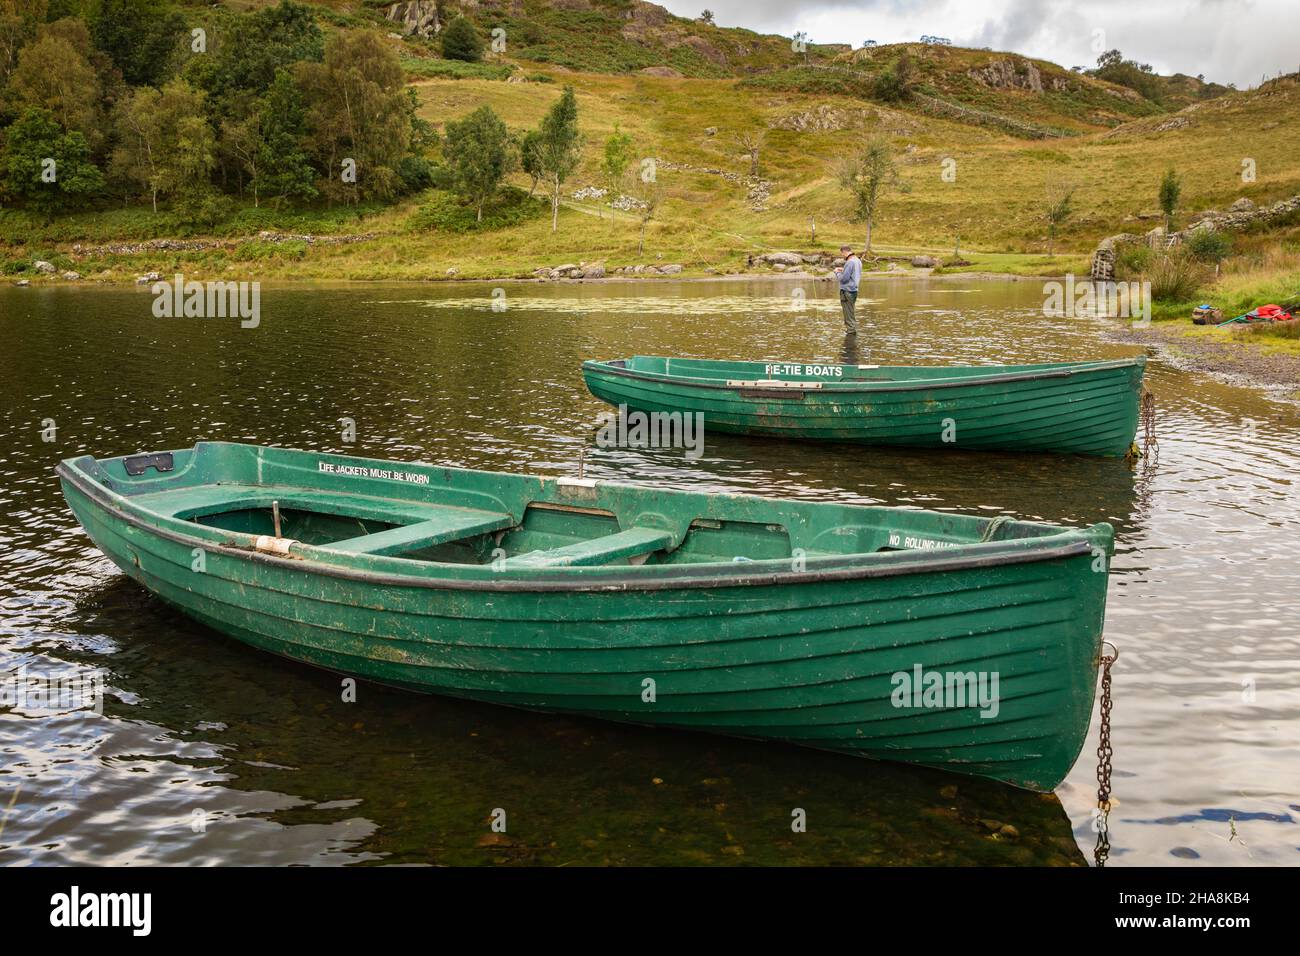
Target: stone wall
(1240,215)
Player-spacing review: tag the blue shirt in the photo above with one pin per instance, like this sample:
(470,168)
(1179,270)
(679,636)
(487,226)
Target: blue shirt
(850,274)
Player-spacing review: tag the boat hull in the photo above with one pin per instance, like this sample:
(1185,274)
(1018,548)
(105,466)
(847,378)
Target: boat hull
(1088,409)
(816,664)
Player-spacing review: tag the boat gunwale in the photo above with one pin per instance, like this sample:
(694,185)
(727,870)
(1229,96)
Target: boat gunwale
(1069,542)
(1060,370)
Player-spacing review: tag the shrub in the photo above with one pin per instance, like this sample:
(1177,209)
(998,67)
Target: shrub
(1131,261)
(445,213)
(258,250)
(1175,276)
(416,173)
(460,41)
(1206,245)
(895,84)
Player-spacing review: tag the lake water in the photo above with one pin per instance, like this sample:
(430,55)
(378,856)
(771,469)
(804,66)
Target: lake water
(209,752)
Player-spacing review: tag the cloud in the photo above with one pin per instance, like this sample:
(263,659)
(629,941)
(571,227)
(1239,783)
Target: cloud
(1237,41)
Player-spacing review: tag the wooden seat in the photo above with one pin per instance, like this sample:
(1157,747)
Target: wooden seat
(455,524)
(612,547)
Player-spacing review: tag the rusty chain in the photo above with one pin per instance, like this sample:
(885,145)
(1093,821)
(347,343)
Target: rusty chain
(1104,753)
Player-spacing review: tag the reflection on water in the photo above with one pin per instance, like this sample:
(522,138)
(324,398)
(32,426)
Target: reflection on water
(210,752)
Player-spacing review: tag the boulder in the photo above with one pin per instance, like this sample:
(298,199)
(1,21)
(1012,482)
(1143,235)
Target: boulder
(1242,205)
(595,270)
(670,270)
(148,277)
(43,267)
(72,276)
(23,283)
(924,262)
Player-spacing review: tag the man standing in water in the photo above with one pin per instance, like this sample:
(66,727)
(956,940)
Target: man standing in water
(850,273)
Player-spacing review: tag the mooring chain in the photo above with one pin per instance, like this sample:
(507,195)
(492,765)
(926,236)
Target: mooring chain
(1150,444)
(1104,752)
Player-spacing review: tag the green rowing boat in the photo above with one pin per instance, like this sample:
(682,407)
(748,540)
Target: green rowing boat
(964,643)
(1082,407)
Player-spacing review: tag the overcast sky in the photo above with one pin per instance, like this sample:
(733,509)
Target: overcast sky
(1230,41)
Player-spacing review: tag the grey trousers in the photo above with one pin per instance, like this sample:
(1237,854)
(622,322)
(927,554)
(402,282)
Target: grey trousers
(848,302)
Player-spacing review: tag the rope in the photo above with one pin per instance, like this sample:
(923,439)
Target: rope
(993,527)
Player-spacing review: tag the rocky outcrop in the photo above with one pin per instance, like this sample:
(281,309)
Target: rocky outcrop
(1012,75)
(823,119)
(416,18)
(660,71)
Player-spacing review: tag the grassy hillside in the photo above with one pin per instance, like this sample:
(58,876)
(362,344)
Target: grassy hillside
(1109,143)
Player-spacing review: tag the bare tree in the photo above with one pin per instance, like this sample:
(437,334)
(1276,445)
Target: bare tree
(751,143)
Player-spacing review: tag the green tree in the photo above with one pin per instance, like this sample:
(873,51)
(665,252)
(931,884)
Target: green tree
(143,38)
(138,156)
(256,47)
(1060,198)
(188,151)
(168,148)
(285,169)
(53,74)
(18,22)
(614,162)
(481,154)
(359,116)
(47,167)
(1170,189)
(460,41)
(530,157)
(867,176)
(559,147)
